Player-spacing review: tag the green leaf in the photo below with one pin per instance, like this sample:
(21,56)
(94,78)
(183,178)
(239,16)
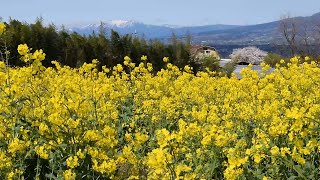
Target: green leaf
(51,176)
(292,177)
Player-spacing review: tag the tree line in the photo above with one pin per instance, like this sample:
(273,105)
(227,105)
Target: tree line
(73,49)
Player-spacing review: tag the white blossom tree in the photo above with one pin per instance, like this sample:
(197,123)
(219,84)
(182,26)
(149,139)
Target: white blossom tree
(250,55)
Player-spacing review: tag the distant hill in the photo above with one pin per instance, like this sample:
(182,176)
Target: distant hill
(145,30)
(253,34)
(260,34)
(220,34)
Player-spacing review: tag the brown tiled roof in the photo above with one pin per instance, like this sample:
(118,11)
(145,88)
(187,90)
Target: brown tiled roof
(194,48)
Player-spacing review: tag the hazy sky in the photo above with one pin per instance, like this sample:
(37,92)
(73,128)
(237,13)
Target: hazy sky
(173,12)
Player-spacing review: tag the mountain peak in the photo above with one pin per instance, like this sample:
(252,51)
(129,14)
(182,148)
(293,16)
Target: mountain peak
(316,14)
(171,26)
(122,23)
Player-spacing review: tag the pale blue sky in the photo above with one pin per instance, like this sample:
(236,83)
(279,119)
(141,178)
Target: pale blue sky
(173,12)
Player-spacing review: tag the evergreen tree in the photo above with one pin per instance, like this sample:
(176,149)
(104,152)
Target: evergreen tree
(73,49)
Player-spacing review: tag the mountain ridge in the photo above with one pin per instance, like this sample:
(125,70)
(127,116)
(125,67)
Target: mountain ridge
(263,33)
(146,30)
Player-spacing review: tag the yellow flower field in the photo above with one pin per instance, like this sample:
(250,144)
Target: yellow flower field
(131,123)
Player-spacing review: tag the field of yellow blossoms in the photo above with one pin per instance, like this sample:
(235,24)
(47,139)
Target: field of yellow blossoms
(131,123)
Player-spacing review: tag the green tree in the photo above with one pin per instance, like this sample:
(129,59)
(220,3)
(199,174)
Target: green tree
(272,59)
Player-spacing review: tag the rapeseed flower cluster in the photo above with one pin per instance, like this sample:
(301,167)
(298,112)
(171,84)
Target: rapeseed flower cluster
(128,122)
(2,28)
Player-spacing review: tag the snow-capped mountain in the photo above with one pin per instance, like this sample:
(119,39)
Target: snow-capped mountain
(122,23)
(256,34)
(144,30)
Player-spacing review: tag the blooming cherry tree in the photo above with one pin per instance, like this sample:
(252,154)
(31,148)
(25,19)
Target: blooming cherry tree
(251,55)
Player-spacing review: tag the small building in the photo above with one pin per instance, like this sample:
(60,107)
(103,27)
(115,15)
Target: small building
(199,52)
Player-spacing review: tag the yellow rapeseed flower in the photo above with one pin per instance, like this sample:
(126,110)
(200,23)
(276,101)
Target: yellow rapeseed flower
(2,28)
(69,175)
(165,59)
(72,162)
(23,49)
(144,58)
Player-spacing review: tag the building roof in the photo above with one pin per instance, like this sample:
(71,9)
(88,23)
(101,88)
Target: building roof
(195,48)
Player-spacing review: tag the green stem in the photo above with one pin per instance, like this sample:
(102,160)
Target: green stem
(38,168)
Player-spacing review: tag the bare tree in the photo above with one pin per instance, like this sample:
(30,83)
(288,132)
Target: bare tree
(316,34)
(288,29)
(300,34)
(304,43)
